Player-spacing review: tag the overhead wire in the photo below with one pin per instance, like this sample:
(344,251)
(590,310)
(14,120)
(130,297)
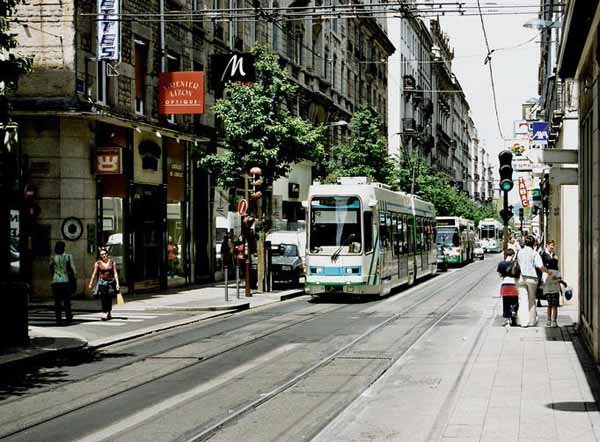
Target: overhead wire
(488,61)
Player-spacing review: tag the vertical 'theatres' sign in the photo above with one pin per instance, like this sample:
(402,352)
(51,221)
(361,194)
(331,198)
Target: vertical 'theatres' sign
(181,93)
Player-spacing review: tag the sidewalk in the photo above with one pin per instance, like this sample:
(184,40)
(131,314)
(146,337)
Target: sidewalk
(140,315)
(481,382)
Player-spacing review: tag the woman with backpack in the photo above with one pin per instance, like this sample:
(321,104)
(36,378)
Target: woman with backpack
(508,290)
(64,282)
(529,262)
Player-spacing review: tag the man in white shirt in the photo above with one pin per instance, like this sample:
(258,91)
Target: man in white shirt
(529,261)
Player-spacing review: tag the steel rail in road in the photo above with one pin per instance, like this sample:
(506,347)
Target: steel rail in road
(206,433)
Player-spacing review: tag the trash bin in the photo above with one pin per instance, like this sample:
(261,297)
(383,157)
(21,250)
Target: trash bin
(14,326)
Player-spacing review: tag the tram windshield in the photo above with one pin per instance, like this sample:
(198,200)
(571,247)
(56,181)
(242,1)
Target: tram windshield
(448,237)
(335,222)
(487,232)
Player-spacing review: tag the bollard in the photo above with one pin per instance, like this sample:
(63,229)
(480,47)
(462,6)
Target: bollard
(225,270)
(237,280)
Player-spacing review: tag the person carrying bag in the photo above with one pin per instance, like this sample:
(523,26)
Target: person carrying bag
(64,282)
(108,283)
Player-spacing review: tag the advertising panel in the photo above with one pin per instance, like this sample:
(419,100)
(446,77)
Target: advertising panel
(109,161)
(181,93)
(108,30)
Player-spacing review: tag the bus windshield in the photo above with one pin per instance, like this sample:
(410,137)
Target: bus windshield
(448,236)
(335,222)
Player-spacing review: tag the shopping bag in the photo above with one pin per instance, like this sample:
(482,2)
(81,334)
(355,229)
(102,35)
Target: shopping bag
(568,293)
(523,313)
(120,300)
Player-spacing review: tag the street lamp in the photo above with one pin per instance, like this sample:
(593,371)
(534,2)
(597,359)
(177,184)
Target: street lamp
(339,123)
(541,24)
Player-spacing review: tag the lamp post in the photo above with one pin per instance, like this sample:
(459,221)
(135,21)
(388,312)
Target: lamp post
(339,123)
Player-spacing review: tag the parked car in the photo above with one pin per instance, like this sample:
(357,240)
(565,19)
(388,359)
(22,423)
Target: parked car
(478,250)
(286,264)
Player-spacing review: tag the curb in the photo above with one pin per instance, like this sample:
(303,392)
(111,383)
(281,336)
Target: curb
(212,308)
(105,342)
(40,354)
(294,294)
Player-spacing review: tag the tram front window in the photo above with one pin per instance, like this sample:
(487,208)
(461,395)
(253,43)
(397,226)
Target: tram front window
(487,233)
(448,238)
(335,222)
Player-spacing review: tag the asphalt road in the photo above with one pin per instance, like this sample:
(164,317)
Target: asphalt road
(283,372)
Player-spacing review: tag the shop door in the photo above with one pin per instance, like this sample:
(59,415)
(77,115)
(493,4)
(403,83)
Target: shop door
(146,214)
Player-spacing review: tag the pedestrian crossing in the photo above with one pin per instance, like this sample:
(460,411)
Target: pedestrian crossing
(119,318)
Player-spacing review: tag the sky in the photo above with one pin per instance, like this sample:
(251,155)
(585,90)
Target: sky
(515,70)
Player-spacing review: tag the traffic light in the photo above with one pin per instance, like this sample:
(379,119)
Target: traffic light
(506,170)
(506,214)
(521,214)
(256,181)
(545,190)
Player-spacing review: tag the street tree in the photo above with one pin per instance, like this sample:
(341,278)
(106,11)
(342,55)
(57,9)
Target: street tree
(261,130)
(365,153)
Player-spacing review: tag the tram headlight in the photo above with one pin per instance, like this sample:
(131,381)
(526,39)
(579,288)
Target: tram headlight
(286,268)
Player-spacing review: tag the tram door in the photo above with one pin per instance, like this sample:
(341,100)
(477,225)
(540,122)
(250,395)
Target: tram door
(401,247)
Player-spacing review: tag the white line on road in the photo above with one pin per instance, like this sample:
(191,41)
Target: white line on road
(154,410)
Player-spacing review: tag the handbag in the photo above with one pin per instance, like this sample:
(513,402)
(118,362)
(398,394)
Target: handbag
(568,293)
(514,269)
(71,275)
(120,300)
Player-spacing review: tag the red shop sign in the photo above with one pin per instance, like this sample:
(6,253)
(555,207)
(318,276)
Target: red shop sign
(181,93)
(109,161)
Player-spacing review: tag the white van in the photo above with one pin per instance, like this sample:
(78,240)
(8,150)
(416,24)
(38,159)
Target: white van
(297,238)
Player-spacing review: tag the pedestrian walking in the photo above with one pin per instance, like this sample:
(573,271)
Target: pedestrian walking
(64,282)
(172,261)
(108,282)
(529,262)
(513,245)
(508,289)
(552,282)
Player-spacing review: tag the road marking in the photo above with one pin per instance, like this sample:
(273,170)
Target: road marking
(109,323)
(144,415)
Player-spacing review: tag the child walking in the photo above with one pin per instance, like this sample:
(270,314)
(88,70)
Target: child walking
(552,282)
(508,290)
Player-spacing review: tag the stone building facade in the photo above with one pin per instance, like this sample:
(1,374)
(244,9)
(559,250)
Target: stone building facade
(156,211)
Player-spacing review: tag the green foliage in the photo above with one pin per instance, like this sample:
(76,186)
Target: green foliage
(436,188)
(259,128)
(13,66)
(365,154)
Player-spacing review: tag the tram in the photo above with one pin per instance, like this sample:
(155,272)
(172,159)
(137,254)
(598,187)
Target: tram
(491,233)
(457,237)
(364,239)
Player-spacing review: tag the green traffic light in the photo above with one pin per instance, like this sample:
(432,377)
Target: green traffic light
(506,186)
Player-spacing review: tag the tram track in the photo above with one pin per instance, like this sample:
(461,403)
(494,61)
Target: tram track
(436,286)
(207,433)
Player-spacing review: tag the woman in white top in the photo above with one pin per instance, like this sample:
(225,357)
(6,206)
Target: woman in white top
(529,261)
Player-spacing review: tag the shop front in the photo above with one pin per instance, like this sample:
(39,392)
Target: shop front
(142,205)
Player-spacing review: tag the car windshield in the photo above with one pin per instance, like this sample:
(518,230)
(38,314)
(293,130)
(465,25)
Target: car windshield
(335,221)
(284,250)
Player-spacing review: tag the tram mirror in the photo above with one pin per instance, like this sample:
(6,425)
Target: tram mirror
(305,204)
(372,202)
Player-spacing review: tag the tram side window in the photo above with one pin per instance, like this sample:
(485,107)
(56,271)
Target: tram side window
(396,234)
(382,230)
(368,226)
(390,230)
(419,234)
(410,234)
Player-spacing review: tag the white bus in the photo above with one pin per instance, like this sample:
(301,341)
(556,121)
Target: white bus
(457,236)
(491,234)
(364,239)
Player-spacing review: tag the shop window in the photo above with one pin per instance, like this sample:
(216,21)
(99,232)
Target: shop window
(176,216)
(113,230)
(101,82)
(141,71)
